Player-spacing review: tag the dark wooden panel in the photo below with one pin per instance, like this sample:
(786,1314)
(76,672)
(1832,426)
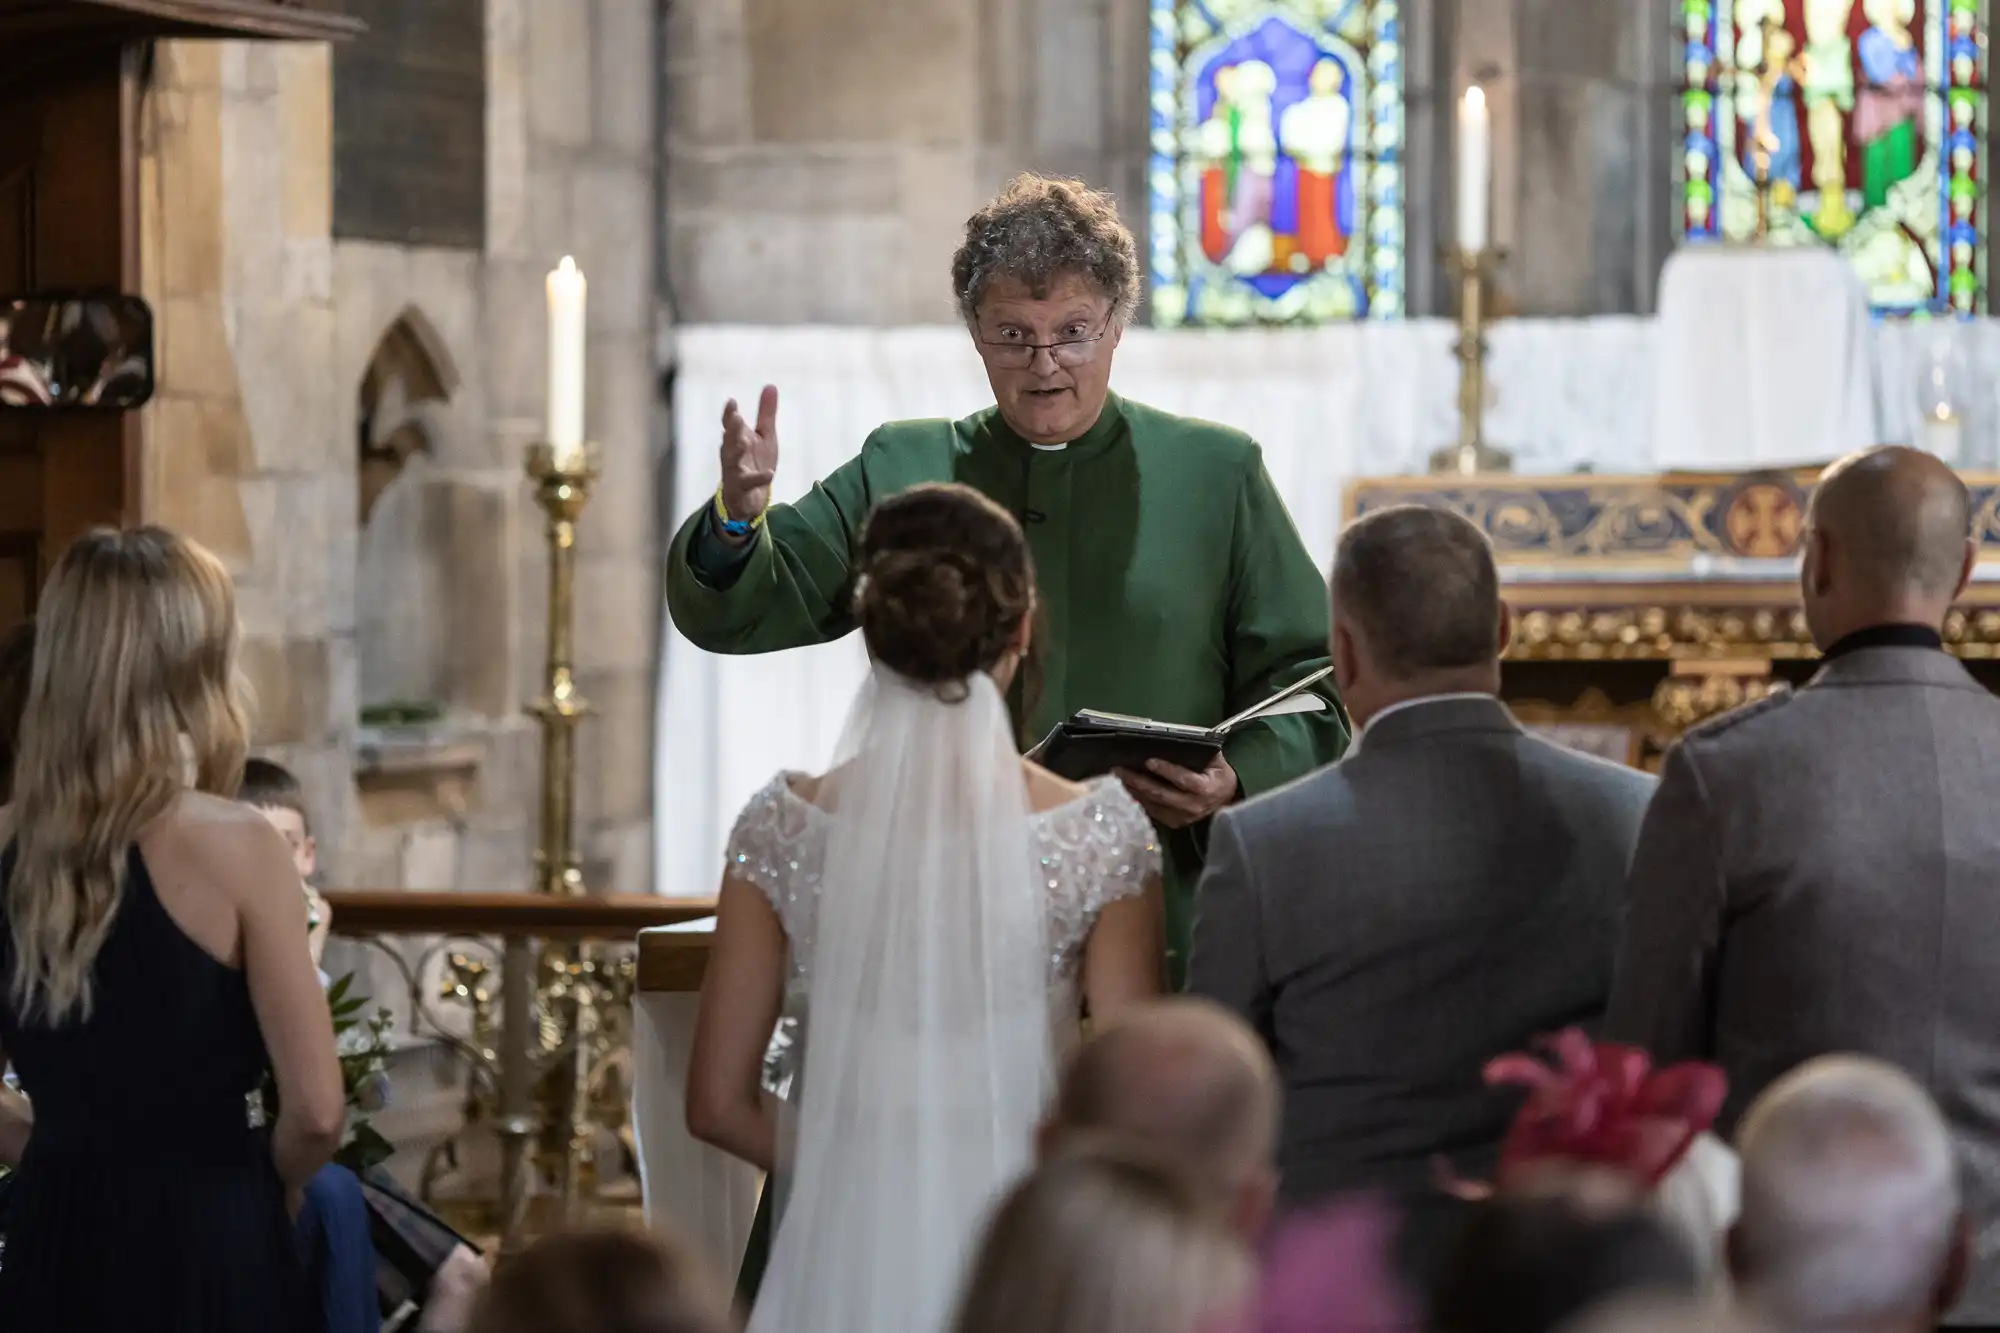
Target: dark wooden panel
(67,221)
(409,124)
(20,580)
(20,492)
(41,22)
(17,222)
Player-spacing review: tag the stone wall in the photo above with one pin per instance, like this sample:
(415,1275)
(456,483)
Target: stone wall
(823,154)
(268,328)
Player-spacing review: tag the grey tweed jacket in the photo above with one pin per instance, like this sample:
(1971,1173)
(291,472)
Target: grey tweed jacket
(1446,894)
(1821,873)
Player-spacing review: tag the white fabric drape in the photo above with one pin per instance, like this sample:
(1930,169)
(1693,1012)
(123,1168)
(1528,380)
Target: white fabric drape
(1327,405)
(1763,359)
(927,1032)
(703,1194)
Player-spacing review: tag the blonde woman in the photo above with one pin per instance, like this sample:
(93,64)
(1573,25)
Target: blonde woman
(149,975)
(1096,1241)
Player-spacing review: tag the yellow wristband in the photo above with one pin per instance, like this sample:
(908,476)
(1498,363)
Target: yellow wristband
(734,527)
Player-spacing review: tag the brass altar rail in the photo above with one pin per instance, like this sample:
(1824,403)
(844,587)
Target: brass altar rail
(563,1009)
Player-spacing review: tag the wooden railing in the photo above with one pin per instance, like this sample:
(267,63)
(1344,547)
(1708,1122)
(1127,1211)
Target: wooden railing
(673,962)
(610,916)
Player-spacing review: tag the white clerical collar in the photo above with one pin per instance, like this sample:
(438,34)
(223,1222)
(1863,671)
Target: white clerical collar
(1050,448)
(1369,726)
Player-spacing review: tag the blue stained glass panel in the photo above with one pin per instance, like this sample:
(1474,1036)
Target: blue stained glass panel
(1276,191)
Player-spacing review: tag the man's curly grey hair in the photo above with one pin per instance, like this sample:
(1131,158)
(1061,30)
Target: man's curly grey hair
(1040,228)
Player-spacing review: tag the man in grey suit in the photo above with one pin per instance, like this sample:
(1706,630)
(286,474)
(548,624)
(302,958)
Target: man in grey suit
(1447,893)
(1820,872)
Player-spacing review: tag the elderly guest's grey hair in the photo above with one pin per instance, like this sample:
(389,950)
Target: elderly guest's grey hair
(1037,230)
(1421,586)
(1850,1197)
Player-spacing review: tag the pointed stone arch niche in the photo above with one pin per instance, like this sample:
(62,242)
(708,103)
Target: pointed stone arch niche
(433,552)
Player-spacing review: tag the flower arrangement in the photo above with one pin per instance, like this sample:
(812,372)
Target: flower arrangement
(363,1046)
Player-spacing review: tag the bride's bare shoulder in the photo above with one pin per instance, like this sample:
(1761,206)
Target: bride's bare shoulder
(1047,791)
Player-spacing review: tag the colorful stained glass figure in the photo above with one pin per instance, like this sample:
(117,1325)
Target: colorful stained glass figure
(1857,124)
(1276,192)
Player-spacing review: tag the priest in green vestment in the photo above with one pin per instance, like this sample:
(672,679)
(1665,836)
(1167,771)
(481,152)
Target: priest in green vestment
(1173,584)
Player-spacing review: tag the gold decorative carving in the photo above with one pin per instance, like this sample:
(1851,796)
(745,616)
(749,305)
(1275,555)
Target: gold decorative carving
(1682,701)
(1662,633)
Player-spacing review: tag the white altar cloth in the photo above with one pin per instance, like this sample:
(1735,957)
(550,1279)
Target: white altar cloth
(702,1194)
(1763,360)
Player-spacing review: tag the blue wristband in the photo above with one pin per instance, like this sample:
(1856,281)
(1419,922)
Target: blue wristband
(734,527)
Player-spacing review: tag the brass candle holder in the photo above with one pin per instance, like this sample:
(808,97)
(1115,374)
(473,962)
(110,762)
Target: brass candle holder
(1472,455)
(546,1011)
(562,488)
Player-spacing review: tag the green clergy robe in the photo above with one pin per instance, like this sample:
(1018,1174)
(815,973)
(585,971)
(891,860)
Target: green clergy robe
(1173,584)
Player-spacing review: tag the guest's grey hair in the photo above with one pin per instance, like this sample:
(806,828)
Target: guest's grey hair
(1421,586)
(1850,1197)
(1039,229)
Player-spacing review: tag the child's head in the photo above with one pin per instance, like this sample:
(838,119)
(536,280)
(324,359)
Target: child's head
(279,798)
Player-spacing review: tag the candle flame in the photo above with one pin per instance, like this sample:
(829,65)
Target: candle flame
(568,265)
(1475,98)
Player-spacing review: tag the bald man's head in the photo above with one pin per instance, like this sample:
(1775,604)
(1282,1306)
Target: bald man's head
(1887,542)
(1186,1079)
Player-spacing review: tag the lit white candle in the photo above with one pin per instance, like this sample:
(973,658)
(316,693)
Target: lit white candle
(1475,170)
(1943,437)
(566,296)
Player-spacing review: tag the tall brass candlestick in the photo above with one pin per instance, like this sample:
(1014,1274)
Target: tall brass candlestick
(1472,455)
(562,487)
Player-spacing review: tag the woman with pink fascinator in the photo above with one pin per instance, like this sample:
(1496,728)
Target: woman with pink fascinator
(1598,1116)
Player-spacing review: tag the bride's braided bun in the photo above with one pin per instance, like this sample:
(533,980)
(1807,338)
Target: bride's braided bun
(945,581)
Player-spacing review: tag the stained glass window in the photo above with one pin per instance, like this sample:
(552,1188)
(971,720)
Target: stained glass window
(1276,188)
(1864,121)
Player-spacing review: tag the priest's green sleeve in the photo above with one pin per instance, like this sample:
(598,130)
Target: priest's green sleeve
(791,591)
(1278,632)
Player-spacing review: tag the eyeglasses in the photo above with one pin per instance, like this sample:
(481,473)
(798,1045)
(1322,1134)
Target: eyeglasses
(1019,356)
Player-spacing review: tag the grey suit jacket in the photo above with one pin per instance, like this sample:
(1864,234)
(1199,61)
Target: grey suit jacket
(1821,873)
(1446,894)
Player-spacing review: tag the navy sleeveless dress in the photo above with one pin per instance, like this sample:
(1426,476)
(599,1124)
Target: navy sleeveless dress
(147,1202)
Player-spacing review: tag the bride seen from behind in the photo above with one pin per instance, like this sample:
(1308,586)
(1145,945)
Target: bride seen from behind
(930,919)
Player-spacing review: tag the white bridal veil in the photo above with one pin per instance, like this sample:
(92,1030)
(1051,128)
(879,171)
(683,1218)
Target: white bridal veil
(927,1032)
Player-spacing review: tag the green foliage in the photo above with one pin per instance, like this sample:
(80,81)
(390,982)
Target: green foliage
(363,1043)
(402,713)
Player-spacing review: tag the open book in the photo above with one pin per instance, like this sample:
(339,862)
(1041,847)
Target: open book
(1091,743)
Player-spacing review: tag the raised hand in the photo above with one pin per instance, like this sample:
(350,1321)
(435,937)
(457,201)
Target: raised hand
(749,457)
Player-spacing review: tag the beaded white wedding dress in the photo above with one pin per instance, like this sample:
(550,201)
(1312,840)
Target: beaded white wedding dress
(935,928)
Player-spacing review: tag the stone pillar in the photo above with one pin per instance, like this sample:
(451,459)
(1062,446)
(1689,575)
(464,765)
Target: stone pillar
(1589,162)
(590,155)
(244,451)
